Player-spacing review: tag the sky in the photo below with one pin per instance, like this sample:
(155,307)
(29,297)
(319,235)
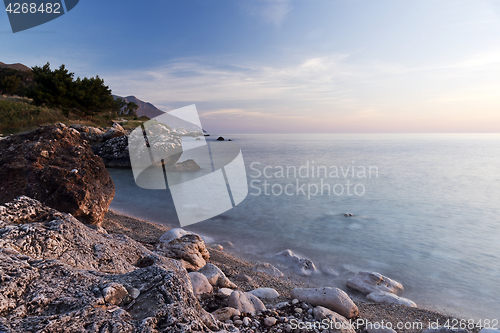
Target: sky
(286,66)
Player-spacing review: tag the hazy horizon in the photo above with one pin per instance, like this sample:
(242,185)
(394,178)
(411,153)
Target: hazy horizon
(287,66)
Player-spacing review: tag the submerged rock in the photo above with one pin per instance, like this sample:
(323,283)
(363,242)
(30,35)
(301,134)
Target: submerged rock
(369,282)
(267,268)
(56,166)
(301,266)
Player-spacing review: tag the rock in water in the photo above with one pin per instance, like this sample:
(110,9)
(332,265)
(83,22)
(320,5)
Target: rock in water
(39,164)
(189,249)
(302,266)
(367,282)
(55,280)
(267,268)
(389,298)
(332,298)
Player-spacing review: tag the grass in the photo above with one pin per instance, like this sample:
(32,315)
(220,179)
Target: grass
(18,115)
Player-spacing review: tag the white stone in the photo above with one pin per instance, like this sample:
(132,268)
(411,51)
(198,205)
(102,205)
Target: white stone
(369,282)
(245,302)
(331,298)
(265,293)
(225,291)
(321,313)
(216,277)
(388,298)
(247,321)
(200,283)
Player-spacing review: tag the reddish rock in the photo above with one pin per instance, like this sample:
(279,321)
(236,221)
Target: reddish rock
(57,167)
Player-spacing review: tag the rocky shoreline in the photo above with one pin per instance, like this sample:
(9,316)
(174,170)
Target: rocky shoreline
(247,278)
(67,264)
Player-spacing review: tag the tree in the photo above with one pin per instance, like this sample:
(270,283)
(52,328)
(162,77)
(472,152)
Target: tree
(10,84)
(131,108)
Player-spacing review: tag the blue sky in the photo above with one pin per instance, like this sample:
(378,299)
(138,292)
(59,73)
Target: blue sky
(276,66)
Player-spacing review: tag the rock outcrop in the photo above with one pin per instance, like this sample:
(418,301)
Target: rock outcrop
(189,249)
(58,275)
(56,166)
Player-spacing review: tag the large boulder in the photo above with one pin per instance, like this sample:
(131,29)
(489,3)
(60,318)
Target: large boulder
(189,249)
(369,282)
(43,289)
(331,298)
(302,266)
(57,167)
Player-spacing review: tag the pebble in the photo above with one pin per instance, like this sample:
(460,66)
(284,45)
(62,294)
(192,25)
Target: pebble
(246,321)
(295,301)
(269,321)
(238,322)
(297,310)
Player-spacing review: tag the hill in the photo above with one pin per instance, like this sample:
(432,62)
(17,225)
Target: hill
(16,66)
(151,111)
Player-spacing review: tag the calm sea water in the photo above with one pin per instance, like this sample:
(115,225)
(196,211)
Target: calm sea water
(428,215)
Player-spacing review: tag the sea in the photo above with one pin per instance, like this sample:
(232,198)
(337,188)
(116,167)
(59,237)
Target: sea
(425,211)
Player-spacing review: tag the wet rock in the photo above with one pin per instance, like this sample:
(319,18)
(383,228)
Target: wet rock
(389,298)
(331,298)
(226,313)
(301,266)
(39,164)
(200,283)
(340,323)
(267,268)
(369,282)
(245,302)
(265,293)
(216,277)
(189,249)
